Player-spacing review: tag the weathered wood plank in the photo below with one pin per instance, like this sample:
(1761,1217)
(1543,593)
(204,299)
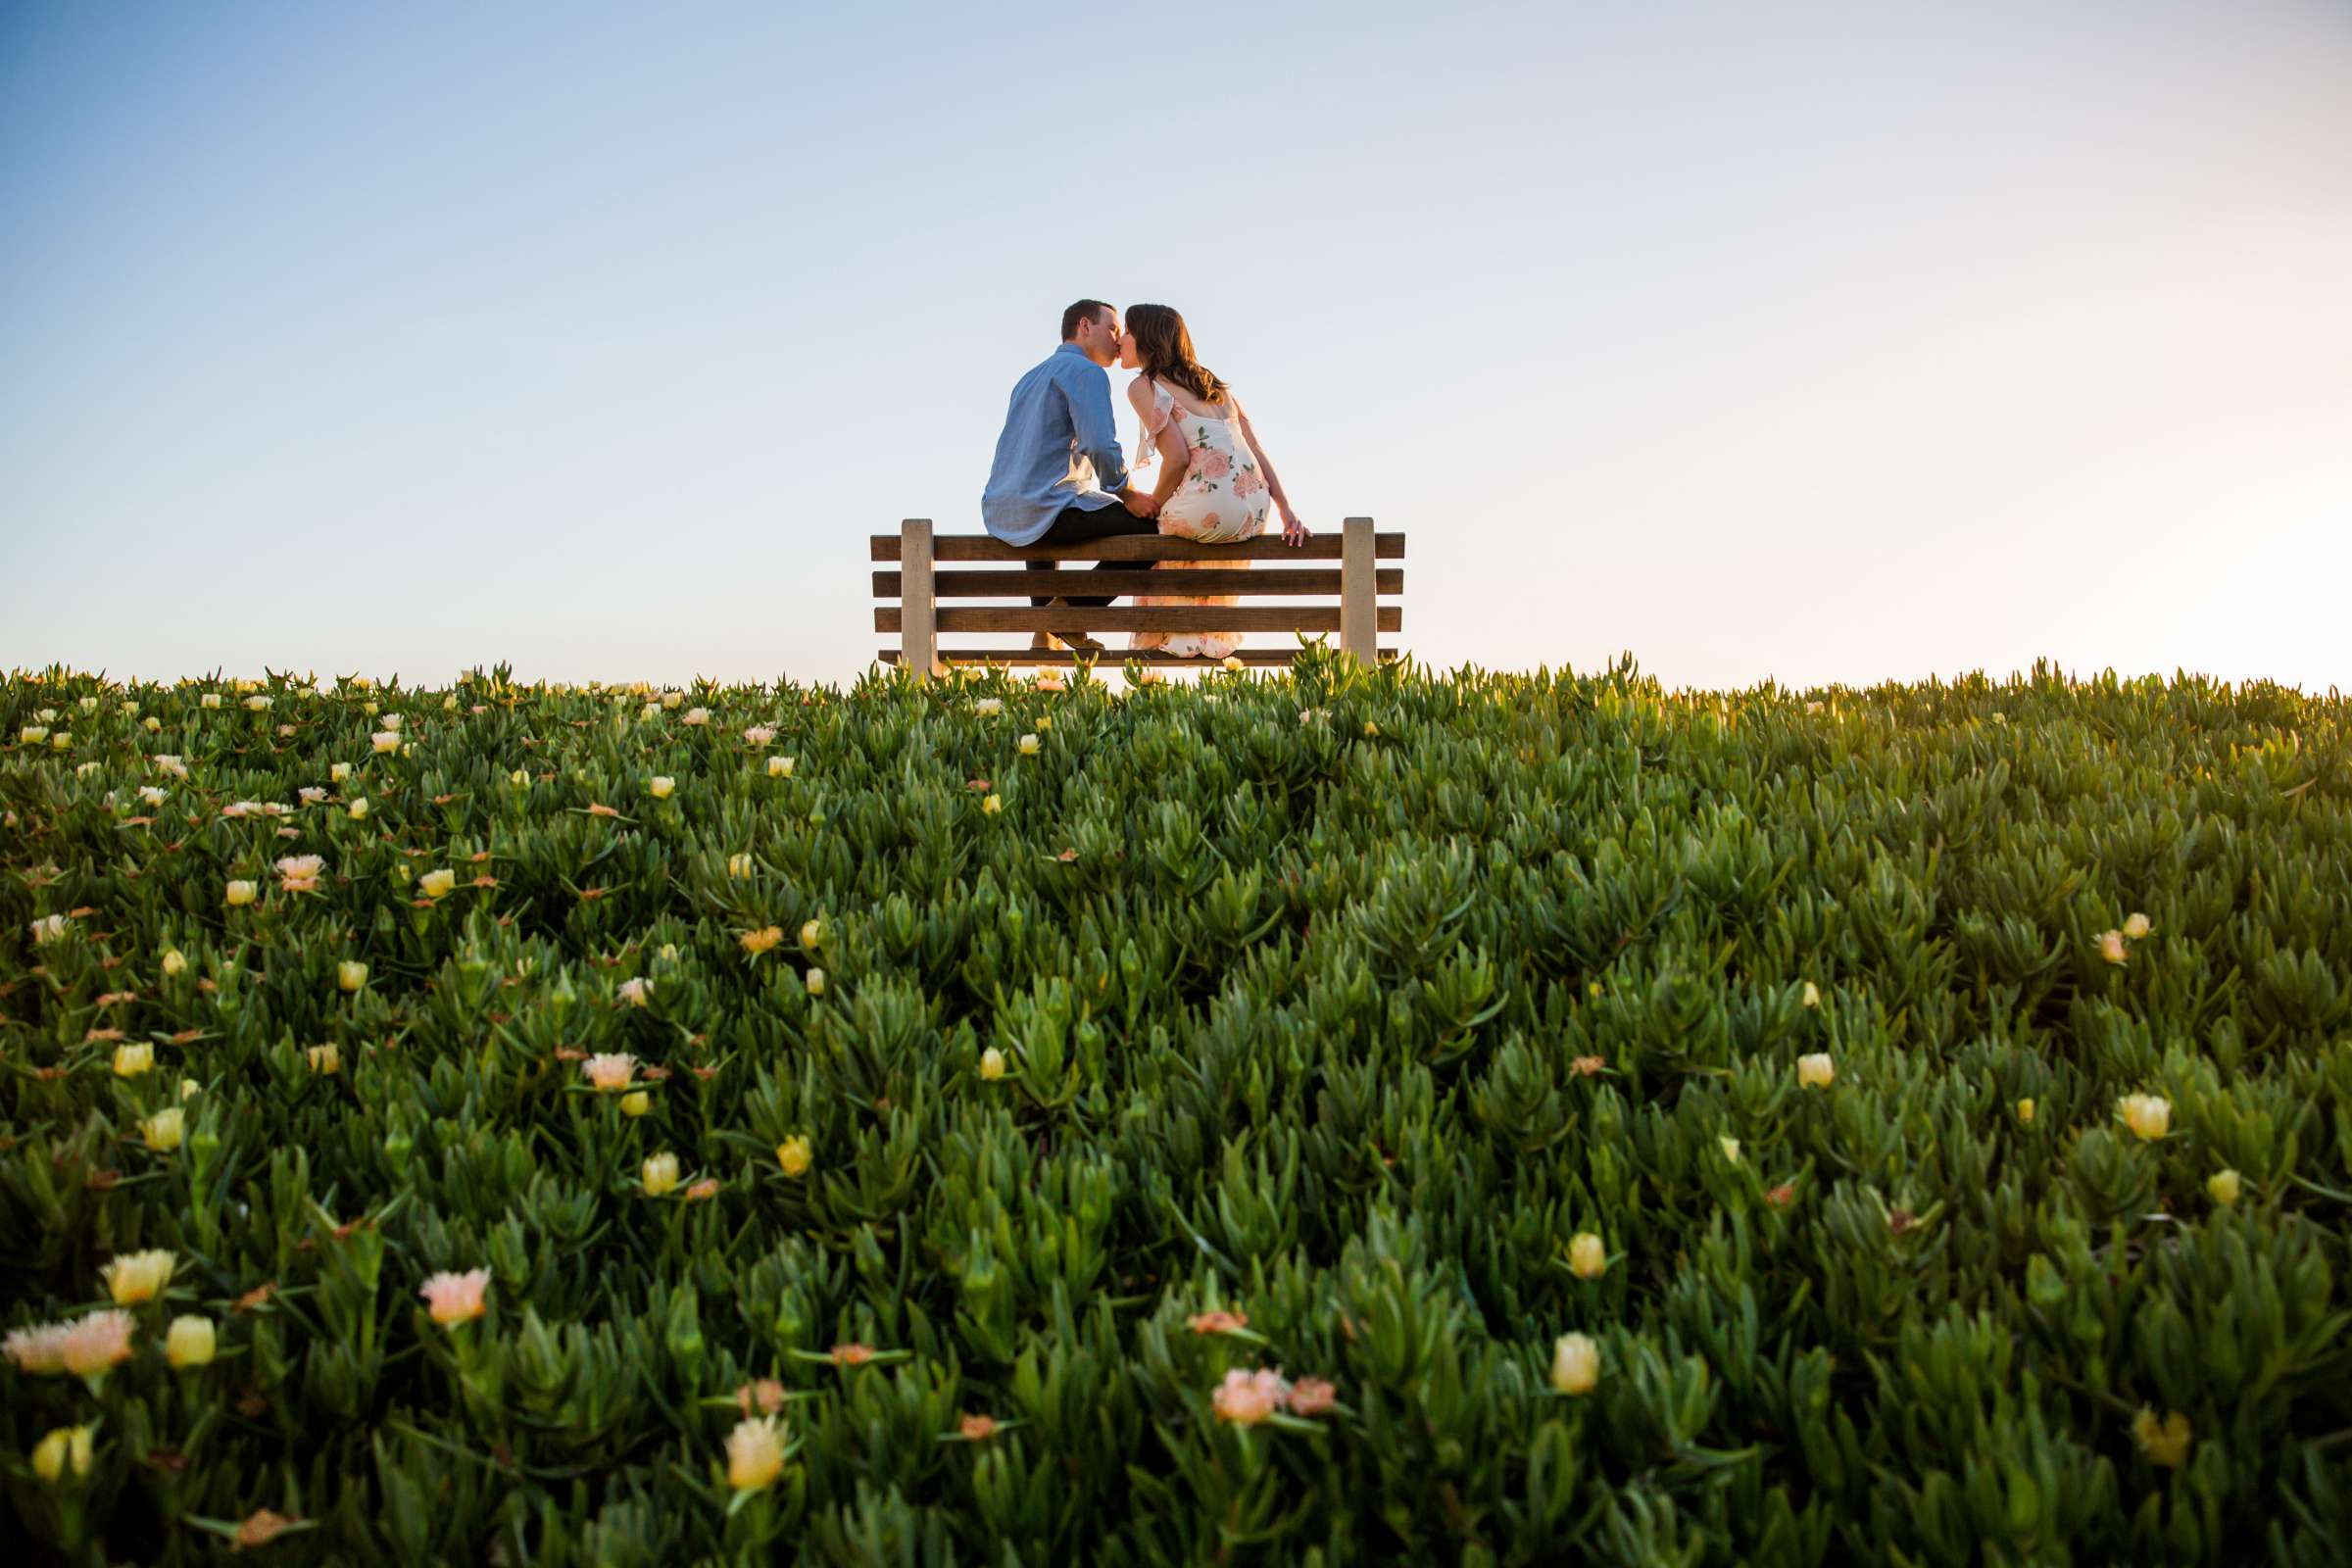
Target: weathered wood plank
(1154,617)
(1356,591)
(966,547)
(1111,659)
(1272,582)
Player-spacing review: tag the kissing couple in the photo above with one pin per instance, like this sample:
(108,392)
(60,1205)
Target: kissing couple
(1059,477)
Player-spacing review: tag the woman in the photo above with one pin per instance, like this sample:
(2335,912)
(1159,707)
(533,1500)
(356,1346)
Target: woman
(1215,485)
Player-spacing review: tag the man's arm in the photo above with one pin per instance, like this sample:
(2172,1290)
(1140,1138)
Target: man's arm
(1097,436)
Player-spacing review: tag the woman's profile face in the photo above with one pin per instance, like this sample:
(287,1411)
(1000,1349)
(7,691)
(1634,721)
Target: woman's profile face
(1129,359)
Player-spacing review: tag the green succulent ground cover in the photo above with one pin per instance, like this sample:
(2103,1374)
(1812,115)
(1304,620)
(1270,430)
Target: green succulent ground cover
(1338,1003)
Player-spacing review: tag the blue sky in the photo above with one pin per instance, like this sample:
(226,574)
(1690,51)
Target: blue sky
(1819,343)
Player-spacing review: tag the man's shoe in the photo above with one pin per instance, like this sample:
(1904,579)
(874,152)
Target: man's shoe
(1072,639)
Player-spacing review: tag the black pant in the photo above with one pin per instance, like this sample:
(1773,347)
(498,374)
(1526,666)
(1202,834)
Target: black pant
(1079,527)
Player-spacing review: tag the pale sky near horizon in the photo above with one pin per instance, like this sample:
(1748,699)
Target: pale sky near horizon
(1820,343)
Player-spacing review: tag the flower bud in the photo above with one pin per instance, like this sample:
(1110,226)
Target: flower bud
(350,974)
(661,784)
(66,1445)
(189,1343)
(1812,996)
(1731,1149)
(133,1059)
(659,1175)
(359,808)
(325,1060)
(2025,1112)
(993,804)
(2137,926)
(1588,1257)
(1575,1364)
(817,982)
(2224,1186)
(241,894)
(794,1155)
(810,930)
(779,767)
(739,868)
(1028,745)
(636,1103)
(755,1455)
(1815,1071)
(2149,1116)
(161,1132)
(2111,946)
(992,1065)
(176,963)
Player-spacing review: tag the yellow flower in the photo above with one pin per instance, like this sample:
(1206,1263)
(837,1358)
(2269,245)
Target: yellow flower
(242,893)
(350,974)
(520,778)
(325,1060)
(1575,1364)
(661,784)
(359,808)
(810,930)
(661,1174)
(988,706)
(209,700)
(2150,1117)
(190,1089)
(151,723)
(338,772)
(2025,1110)
(174,962)
(2224,1186)
(1588,1257)
(2166,1441)
(1233,662)
(993,804)
(779,767)
(1370,728)
(1812,995)
(65,1445)
(794,1155)
(757,942)
(1028,745)
(135,1277)
(162,1131)
(385,740)
(2137,926)
(992,1065)
(132,1059)
(189,1342)
(257,704)
(636,1103)
(755,1453)
(1731,1149)
(817,982)
(1815,1071)
(436,883)
(739,866)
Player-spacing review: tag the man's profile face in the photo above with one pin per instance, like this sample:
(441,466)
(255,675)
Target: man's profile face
(1098,339)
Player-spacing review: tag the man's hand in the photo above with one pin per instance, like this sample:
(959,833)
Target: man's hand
(1294,532)
(1140,504)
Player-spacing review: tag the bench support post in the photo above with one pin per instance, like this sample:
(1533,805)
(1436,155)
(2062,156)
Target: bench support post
(1357,637)
(918,637)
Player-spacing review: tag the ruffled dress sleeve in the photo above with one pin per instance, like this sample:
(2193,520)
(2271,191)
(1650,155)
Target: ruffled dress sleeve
(1163,409)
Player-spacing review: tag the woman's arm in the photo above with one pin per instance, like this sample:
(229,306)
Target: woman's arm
(1175,454)
(1292,530)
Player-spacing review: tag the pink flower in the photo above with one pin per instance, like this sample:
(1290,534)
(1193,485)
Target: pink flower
(302,865)
(96,1343)
(1218,1322)
(1248,1397)
(1247,484)
(1210,463)
(456,1297)
(612,1072)
(1311,1396)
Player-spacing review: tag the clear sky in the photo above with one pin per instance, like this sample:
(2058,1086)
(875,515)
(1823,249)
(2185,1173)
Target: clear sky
(1835,343)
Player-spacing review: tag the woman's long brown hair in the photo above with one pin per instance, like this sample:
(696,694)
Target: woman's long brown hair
(1165,348)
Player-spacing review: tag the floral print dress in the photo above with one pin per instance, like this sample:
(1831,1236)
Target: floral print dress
(1223,497)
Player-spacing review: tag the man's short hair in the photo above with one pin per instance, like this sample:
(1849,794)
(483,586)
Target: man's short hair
(1078,315)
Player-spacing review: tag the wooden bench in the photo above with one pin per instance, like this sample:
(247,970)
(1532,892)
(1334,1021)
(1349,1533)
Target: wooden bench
(1323,599)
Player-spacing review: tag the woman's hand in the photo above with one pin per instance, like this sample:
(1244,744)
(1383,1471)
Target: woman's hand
(1294,532)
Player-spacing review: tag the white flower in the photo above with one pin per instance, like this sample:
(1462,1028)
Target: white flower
(1575,1364)
(48,928)
(759,735)
(385,740)
(1028,745)
(697,715)
(1587,1257)
(436,883)
(311,794)
(992,1065)
(337,773)
(2150,1117)
(779,767)
(661,784)
(1816,1070)
(164,762)
(988,706)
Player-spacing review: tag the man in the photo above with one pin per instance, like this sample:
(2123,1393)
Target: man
(1059,452)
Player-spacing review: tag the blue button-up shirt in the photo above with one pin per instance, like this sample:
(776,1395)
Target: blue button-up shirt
(1060,449)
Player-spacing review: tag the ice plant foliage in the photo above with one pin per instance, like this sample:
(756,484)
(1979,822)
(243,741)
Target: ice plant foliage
(1782,1127)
